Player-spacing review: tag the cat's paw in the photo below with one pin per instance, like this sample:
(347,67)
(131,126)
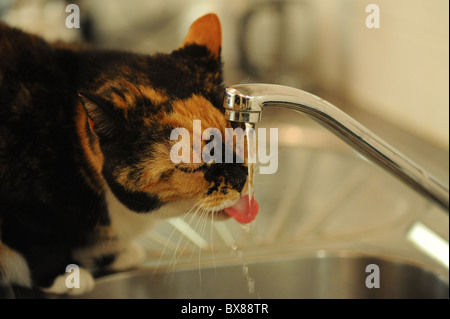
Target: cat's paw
(73,283)
(132,256)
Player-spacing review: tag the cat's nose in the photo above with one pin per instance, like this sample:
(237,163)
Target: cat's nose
(237,176)
(233,175)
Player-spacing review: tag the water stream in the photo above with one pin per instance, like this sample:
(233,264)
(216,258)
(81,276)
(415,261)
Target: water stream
(251,157)
(236,251)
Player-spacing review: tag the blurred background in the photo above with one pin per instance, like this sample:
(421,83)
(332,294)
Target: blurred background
(395,77)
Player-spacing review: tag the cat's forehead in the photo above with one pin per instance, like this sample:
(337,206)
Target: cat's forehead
(127,95)
(145,90)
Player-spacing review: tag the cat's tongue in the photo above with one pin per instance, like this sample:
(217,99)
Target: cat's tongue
(244,211)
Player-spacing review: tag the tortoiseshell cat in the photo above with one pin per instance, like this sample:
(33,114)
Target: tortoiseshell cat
(84,151)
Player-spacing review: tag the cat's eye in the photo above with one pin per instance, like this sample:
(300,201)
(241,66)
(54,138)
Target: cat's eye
(191,168)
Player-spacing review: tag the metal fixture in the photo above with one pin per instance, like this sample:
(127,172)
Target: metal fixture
(246,102)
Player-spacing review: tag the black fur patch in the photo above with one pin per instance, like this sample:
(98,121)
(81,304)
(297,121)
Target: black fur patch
(232,174)
(105,260)
(138,202)
(166,175)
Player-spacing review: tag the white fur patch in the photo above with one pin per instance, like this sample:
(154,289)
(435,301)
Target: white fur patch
(129,225)
(126,226)
(133,255)
(14,267)
(60,286)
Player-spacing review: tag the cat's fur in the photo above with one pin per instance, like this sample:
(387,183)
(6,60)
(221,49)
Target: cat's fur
(84,150)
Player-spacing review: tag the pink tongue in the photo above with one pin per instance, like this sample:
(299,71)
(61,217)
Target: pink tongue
(244,211)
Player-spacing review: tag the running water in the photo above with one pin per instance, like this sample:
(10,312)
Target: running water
(247,224)
(251,157)
(235,250)
(246,208)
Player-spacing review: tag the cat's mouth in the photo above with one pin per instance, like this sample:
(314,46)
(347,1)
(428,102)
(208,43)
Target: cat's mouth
(243,211)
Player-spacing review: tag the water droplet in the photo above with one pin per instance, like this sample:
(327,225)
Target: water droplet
(248,227)
(245,269)
(234,249)
(250,285)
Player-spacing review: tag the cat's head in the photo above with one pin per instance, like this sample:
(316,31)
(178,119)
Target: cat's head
(134,108)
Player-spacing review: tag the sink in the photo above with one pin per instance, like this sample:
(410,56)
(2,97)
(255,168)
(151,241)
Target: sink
(322,275)
(324,217)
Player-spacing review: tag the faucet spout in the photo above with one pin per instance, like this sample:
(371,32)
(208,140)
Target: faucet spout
(246,102)
(241,105)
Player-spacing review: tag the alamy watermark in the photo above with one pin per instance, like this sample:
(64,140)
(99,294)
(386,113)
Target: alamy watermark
(221,150)
(373,279)
(373,19)
(73,276)
(73,18)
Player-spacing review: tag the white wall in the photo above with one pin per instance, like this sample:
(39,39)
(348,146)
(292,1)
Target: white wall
(399,71)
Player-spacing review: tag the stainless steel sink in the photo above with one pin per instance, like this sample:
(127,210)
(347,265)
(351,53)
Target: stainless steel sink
(324,217)
(322,275)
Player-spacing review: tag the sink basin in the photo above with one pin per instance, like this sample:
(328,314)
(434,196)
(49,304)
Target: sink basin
(325,216)
(324,275)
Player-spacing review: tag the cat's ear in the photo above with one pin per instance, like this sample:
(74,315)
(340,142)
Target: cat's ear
(101,121)
(205,31)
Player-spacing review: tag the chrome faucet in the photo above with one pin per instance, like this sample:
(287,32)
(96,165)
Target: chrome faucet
(246,102)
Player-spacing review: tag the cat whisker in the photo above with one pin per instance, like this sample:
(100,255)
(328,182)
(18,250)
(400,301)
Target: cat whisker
(172,233)
(192,228)
(194,237)
(204,220)
(211,235)
(182,235)
(200,216)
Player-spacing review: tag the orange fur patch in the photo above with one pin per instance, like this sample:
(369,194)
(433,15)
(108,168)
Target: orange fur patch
(205,31)
(156,97)
(129,92)
(195,108)
(93,155)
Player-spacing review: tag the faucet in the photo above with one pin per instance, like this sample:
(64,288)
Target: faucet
(246,102)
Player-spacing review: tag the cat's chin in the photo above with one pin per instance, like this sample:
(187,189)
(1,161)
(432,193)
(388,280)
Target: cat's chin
(220,215)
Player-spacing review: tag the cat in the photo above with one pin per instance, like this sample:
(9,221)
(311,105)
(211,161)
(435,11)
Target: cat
(84,152)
